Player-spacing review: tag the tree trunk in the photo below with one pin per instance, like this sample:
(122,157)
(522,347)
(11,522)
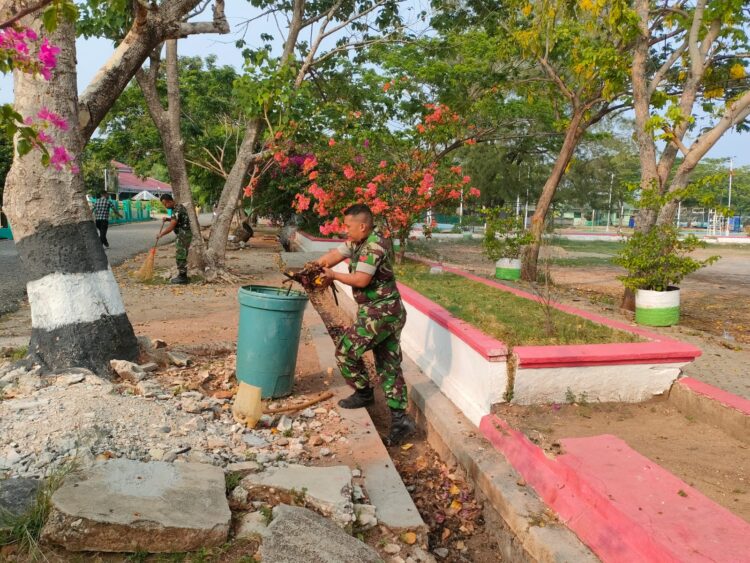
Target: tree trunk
(77,314)
(217,241)
(572,135)
(167,121)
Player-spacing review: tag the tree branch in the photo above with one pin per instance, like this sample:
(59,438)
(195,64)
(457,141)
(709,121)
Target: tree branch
(219,24)
(664,69)
(25,12)
(557,80)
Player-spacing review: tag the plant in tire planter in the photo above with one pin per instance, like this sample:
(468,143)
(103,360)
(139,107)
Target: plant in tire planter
(504,239)
(656,262)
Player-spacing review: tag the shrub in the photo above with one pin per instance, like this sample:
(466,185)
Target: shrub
(658,259)
(504,237)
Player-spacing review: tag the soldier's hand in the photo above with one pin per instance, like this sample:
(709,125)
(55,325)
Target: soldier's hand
(330,275)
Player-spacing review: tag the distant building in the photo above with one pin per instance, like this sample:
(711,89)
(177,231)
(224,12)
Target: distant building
(128,183)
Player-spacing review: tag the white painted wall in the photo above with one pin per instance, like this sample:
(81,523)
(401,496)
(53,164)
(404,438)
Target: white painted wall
(629,383)
(305,244)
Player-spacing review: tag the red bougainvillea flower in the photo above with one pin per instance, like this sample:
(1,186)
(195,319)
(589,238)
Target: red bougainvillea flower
(349,172)
(331,142)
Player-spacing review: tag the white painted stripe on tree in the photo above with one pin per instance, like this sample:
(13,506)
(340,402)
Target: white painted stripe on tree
(647,299)
(509,263)
(59,300)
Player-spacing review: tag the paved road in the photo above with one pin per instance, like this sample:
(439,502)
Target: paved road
(124,242)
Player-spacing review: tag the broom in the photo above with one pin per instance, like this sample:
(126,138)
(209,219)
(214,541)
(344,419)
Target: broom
(147,270)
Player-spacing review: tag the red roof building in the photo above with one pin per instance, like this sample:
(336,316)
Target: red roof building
(129,184)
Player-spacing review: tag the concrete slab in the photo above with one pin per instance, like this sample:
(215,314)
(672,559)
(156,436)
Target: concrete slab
(395,507)
(297,534)
(327,489)
(128,506)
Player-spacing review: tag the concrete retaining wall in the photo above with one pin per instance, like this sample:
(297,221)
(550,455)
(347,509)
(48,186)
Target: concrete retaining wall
(303,242)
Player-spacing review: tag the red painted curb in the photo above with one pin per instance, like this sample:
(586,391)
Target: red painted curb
(724,397)
(492,349)
(660,349)
(622,505)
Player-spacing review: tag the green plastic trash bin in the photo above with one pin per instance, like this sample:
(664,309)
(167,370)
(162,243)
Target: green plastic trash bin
(268,338)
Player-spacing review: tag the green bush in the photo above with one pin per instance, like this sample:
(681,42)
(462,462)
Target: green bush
(658,259)
(504,237)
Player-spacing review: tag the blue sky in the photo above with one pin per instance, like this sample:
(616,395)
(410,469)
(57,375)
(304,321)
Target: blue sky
(92,53)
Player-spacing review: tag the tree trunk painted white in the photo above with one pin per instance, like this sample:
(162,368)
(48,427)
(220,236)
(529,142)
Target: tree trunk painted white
(508,269)
(77,314)
(657,308)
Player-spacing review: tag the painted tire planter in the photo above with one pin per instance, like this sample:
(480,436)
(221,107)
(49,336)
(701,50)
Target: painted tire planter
(467,235)
(657,308)
(508,269)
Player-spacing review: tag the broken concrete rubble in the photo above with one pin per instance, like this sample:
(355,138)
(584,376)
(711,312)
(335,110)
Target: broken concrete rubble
(297,534)
(327,489)
(129,506)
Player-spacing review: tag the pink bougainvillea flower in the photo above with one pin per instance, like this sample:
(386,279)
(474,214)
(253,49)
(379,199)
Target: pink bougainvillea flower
(313,175)
(456,169)
(331,142)
(60,157)
(309,163)
(466,179)
(48,57)
(383,164)
(53,118)
(474,192)
(349,172)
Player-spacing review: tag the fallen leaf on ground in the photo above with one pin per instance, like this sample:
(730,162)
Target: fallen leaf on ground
(409,538)
(406,447)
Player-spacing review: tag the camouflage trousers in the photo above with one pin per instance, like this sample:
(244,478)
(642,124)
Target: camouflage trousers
(182,245)
(376,328)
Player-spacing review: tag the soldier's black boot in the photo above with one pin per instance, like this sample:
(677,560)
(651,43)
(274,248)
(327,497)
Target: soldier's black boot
(181,279)
(402,426)
(360,398)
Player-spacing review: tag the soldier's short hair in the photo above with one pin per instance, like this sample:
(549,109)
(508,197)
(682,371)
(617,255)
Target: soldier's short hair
(166,197)
(362,211)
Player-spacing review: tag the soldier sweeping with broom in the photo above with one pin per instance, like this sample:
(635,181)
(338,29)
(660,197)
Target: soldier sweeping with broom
(179,222)
(380,318)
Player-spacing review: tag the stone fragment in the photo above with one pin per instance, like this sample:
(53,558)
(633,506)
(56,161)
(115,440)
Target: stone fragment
(239,498)
(17,497)
(29,404)
(244,467)
(128,370)
(149,367)
(325,452)
(70,379)
(149,388)
(254,441)
(366,517)
(252,525)
(327,489)
(316,441)
(298,534)
(391,548)
(129,506)
(441,552)
(308,413)
(178,359)
(285,424)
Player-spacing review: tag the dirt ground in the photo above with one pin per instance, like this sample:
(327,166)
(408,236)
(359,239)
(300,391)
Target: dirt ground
(700,454)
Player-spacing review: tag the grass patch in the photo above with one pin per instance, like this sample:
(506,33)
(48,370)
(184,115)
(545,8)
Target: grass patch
(598,246)
(512,319)
(581,261)
(23,531)
(18,353)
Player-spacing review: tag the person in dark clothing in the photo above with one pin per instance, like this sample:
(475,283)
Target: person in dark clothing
(179,222)
(102,208)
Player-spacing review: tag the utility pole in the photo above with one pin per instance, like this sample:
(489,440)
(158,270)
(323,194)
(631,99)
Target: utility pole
(609,205)
(729,201)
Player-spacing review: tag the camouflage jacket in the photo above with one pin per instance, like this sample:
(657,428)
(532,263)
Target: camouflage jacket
(373,256)
(180,214)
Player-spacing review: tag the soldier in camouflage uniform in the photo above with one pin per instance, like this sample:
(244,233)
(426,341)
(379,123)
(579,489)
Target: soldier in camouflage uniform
(179,222)
(380,318)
